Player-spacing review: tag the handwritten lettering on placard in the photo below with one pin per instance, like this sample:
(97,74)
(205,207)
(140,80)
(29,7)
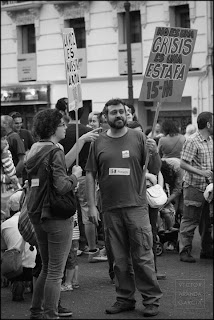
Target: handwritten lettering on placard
(168,64)
(72,69)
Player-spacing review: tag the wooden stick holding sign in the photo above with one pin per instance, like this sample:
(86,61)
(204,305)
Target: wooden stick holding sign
(167,69)
(77,137)
(147,155)
(73,78)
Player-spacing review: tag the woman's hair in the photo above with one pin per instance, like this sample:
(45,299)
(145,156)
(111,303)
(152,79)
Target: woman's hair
(169,127)
(168,173)
(94,113)
(45,123)
(134,124)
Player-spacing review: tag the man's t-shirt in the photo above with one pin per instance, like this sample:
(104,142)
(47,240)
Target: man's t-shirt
(69,141)
(16,146)
(119,163)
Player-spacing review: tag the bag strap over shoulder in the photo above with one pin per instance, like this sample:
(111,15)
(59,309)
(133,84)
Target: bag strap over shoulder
(51,154)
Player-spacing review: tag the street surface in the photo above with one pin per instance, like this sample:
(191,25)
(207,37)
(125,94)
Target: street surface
(187,291)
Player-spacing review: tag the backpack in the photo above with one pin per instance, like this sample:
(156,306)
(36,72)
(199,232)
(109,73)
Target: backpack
(25,226)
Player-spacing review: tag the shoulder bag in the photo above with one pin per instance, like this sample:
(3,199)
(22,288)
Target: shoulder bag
(61,206)
(156,197)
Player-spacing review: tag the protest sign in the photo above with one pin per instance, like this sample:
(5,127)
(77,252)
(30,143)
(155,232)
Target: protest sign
(168,64)
(72,69)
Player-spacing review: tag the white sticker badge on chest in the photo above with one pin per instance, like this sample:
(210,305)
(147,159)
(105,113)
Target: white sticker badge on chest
(125,154)
(35,182)
(119,171)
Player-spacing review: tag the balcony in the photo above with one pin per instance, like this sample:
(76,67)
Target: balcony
(20,5)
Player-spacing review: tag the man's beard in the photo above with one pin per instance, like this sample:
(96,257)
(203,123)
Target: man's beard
(115,125)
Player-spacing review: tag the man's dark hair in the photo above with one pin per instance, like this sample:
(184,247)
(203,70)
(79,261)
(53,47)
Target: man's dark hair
(62,104)
(112,102)
(203,118)
(15,114)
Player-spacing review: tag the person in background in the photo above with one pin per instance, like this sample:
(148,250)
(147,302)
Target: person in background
(62,106)
(8,170)
(197,162)
(190,129)
(24,134)
(132,110)
(153,212)
(171,144)
(118,156)
(71,268)
(67,143)
(94,120)
(16,145)
(173,176)
(129,114)
(11,238)
(157,133)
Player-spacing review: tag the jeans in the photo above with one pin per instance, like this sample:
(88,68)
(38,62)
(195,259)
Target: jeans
(195,213)
(54,240)
(128,233)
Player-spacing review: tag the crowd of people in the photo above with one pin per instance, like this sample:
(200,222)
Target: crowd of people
(110,196)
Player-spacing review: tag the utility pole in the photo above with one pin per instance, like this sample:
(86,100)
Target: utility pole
(129,54)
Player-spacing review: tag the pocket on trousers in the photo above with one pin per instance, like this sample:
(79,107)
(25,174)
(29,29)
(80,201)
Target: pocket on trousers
(145,238)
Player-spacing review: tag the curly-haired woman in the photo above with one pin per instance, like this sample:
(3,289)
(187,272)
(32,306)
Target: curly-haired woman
(171,144)
(54,234)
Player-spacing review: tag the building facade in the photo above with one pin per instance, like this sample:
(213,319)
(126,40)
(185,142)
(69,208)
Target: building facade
(32,56)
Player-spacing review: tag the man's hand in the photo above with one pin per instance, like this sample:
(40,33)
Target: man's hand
(91,135)
(151,145)
(152,178)
(94,215)
(207,174)
(77,171)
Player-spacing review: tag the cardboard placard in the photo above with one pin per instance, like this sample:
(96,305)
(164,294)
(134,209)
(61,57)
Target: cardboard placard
(168,64)
(72,69)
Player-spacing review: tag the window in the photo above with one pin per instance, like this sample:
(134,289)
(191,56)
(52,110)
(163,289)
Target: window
(135,27)
(28,40)
(79,29)
(179,16)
